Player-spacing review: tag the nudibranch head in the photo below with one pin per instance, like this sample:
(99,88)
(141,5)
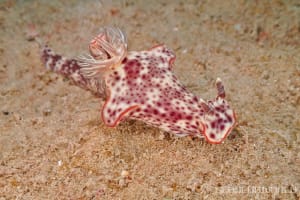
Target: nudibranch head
(107,51)
(219,118)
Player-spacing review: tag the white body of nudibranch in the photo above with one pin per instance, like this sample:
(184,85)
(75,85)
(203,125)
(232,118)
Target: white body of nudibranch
(141,85)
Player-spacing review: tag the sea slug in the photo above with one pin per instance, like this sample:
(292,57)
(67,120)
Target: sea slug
(141,85)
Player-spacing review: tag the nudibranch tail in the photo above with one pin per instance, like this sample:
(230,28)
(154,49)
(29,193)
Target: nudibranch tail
(107,50)
(70,68)
(219,119)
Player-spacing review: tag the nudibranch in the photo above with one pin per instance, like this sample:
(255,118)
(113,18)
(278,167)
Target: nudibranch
(140,85)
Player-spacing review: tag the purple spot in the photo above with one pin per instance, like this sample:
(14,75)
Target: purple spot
(189,117)
(155,111)
(229,118)
(213,125)
(124,60)
(222,127)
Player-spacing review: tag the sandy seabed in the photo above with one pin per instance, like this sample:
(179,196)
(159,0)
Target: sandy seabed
(54,145)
